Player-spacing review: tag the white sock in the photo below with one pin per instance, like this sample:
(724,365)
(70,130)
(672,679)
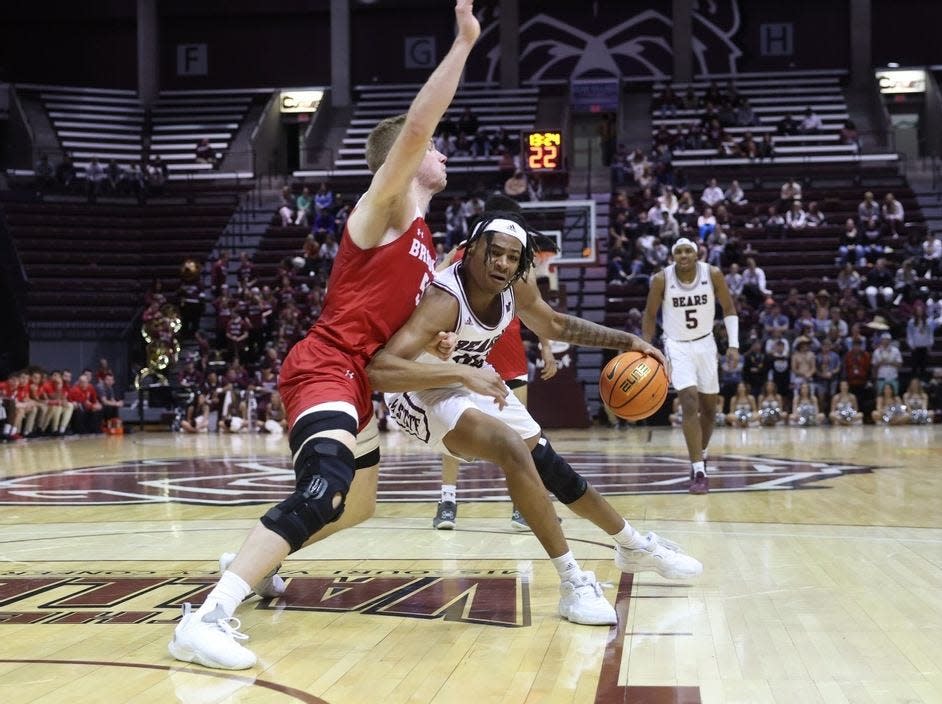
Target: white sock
(228,593)
(567,567)
(698,468)
(450,493)
(705,453)
(629,538)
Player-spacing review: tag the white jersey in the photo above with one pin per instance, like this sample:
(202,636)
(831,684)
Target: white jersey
(475,338)
(689,310)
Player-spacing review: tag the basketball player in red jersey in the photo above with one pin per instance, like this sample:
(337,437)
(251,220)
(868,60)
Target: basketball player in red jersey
(385,261)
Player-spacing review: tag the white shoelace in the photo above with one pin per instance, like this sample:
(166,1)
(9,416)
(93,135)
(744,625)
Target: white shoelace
(231,630)
(657,540)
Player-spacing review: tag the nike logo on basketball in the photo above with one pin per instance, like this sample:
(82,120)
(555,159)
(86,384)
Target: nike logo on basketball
(611,374)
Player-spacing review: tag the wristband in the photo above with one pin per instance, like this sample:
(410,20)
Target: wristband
(732,330)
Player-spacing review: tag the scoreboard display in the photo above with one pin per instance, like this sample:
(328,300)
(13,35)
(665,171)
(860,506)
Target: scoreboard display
(543,150)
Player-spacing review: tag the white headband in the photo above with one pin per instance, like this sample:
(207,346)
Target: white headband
(508,227)
(683,242)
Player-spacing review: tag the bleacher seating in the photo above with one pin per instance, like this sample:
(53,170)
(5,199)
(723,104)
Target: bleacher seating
(513,110)
(93,262)
(771,98)
(92,122)
(180,119)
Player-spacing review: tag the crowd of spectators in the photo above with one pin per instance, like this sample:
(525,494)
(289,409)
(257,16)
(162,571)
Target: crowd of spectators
(98,179)
(38,403)
(712,114)
(804,344)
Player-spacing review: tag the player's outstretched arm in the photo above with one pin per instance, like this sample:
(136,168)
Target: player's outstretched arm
(653,303)
(547,323)
(393,369)
(387,195)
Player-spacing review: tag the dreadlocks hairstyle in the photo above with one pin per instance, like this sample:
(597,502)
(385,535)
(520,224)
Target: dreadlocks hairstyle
(479,230)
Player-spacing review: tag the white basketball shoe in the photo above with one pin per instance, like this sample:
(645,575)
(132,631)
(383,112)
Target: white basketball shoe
(271,586)
(658,555)
(210,641)
(581,601)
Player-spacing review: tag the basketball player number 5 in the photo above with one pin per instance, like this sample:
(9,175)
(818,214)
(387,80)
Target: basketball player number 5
(426,280)
(691,316)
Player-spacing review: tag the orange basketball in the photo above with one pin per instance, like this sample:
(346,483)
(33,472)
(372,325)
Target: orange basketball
(633,385)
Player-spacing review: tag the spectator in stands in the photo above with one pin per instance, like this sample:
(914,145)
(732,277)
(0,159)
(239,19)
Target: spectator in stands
(811,124)
(879,283)
(667,200)
(887,361)
(114,177)
(712,194)
(288,206)
(304,207)
(747,147)
(324,199)
(791,190)
(745,115)
(456,224)
(137,182)
(94,179)
(111,405)
(666,103)
(65,172)
(931,259)
(329,251)
(44,173)
(219,273)
(245,273)
(827,372)
(754,283)
(850,248)
(773,221)
(920,336)
(669,230)
(814,216)
(734,281)
(157,174)
(706,223)
(617,266)
(893,215)
(639,163)
(608,136)
(796,219)
(734,195)
(205,153)
(787,126)
(190,299)
(848,278)
(848,135)
(766,148)
(857,366)
(868,213)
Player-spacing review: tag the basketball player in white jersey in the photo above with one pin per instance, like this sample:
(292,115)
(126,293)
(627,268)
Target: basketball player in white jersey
(477,298)
(687,292)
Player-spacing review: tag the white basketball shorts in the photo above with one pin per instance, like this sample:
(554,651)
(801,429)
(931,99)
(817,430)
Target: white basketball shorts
(694,363)
(430,415)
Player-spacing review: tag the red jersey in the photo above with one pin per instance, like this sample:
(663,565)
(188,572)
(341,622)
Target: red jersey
(85,397)
(372,292)
(370,295)
(507,356)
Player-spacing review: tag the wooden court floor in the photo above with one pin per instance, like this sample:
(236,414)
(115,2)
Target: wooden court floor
(822,551)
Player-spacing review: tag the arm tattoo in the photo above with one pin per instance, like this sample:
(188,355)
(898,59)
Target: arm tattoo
(589,334)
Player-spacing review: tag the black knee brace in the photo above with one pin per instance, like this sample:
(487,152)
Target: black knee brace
(323,469)
(557,474)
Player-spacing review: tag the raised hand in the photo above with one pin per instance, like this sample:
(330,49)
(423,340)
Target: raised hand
(468,26)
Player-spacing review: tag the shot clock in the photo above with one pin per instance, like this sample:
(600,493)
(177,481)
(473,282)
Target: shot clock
(543,150)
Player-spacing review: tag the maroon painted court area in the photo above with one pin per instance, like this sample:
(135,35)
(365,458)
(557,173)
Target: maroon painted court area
(227,481)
